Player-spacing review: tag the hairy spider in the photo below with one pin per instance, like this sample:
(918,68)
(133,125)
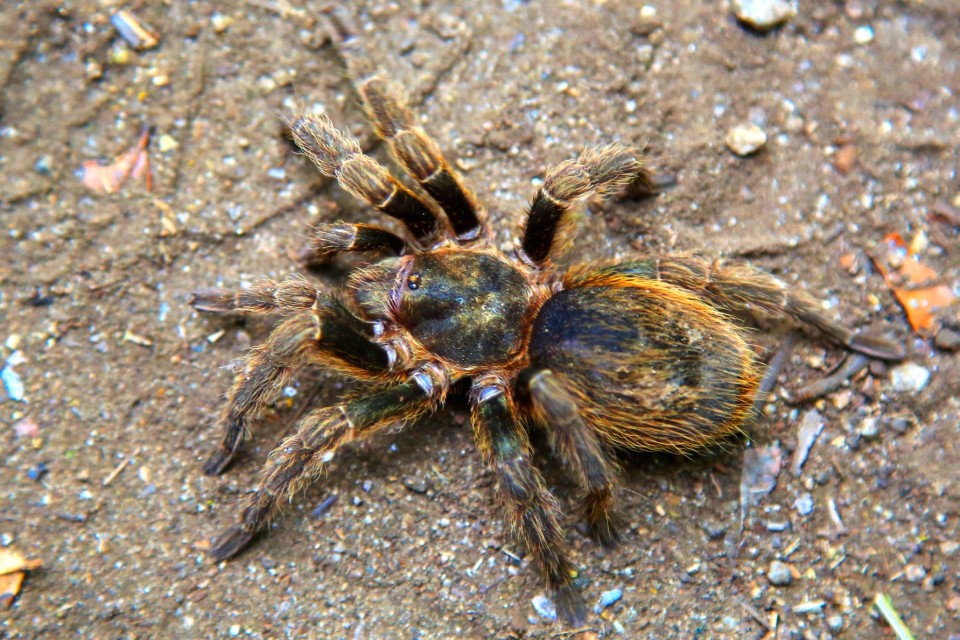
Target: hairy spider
(639,355)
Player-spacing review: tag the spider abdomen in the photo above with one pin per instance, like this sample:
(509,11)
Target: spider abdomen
(652,366)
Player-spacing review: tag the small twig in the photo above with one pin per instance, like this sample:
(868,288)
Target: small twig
(756,615)
(854,363)
(120,467)
(835,516)
(573,632)
(885,606)
(284,9)
(945,212)
(438,474)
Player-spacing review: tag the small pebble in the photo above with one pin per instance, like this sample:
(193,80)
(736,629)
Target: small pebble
(835,623)
(764,14)
(220,22)
(914,573)
(715,530)
(545,608)
(868,428)
(804,504)
(745,139)
(37,472)
(863,35)
(324,506)
(415,484)
(235,630)
(43,164)
(779,574)
(166,142)
(608,598)
(13,384)
(810,606)
(909,377)
(947,339)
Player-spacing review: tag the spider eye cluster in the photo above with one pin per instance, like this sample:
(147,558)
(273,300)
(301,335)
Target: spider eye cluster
(413,281)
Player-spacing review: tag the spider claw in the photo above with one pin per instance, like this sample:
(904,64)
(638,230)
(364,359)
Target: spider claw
(606,532)
(877,347)
(570,605)
(212,300)
(230,543)
(218,461)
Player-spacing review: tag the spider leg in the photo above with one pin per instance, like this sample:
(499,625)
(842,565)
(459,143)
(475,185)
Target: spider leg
(533,512)
(413,148)
(329,337)
(291,295)
(341,236)
(338,155)
(599,171)
(738,287)
(300,458)
(554,408)
(420,156)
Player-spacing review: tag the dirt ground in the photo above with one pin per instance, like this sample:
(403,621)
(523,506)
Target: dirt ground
(103,446)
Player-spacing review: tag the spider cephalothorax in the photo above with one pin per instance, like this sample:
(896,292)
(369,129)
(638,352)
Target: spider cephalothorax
(640,354)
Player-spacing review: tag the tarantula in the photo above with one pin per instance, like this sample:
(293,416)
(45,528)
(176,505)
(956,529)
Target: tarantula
(639,355)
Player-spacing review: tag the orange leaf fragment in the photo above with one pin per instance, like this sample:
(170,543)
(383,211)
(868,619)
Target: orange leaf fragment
(13,568)
(11,561)
(108,178)
(10,587)
(915,272)
(920,304)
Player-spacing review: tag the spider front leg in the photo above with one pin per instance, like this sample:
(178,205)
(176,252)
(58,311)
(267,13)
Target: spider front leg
(411,146)
(599,171)
(338,155)
(327,335)
(420,156)
(555,409)
(533,512)
(300,458)
(292,295)
(338,237)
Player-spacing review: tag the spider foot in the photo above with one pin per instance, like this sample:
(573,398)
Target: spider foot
(230,543)
(218,461)
(606,531)
(877,347)
(570,605)
(603,521)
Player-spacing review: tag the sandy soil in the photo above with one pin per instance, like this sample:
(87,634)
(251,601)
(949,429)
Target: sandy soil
(118,370)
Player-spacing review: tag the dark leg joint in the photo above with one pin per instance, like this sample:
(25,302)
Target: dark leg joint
(230,542)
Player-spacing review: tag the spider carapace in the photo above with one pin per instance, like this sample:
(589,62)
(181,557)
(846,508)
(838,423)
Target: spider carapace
(641,355)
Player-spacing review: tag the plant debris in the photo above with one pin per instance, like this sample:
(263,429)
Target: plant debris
(136,33)
(905,274)
(13,569)
(109,178)
(885,606)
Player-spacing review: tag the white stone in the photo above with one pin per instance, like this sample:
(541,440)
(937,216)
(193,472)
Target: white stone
(745,139)
(909,377)
(764,14)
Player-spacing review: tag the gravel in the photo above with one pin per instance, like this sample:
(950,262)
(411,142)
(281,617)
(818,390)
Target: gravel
(764,14)
(745,139)
(909,377)
(779,574)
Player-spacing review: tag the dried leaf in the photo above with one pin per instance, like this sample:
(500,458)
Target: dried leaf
(10,587)
(108,178)
(915,272)
(11,561)
(921,304)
